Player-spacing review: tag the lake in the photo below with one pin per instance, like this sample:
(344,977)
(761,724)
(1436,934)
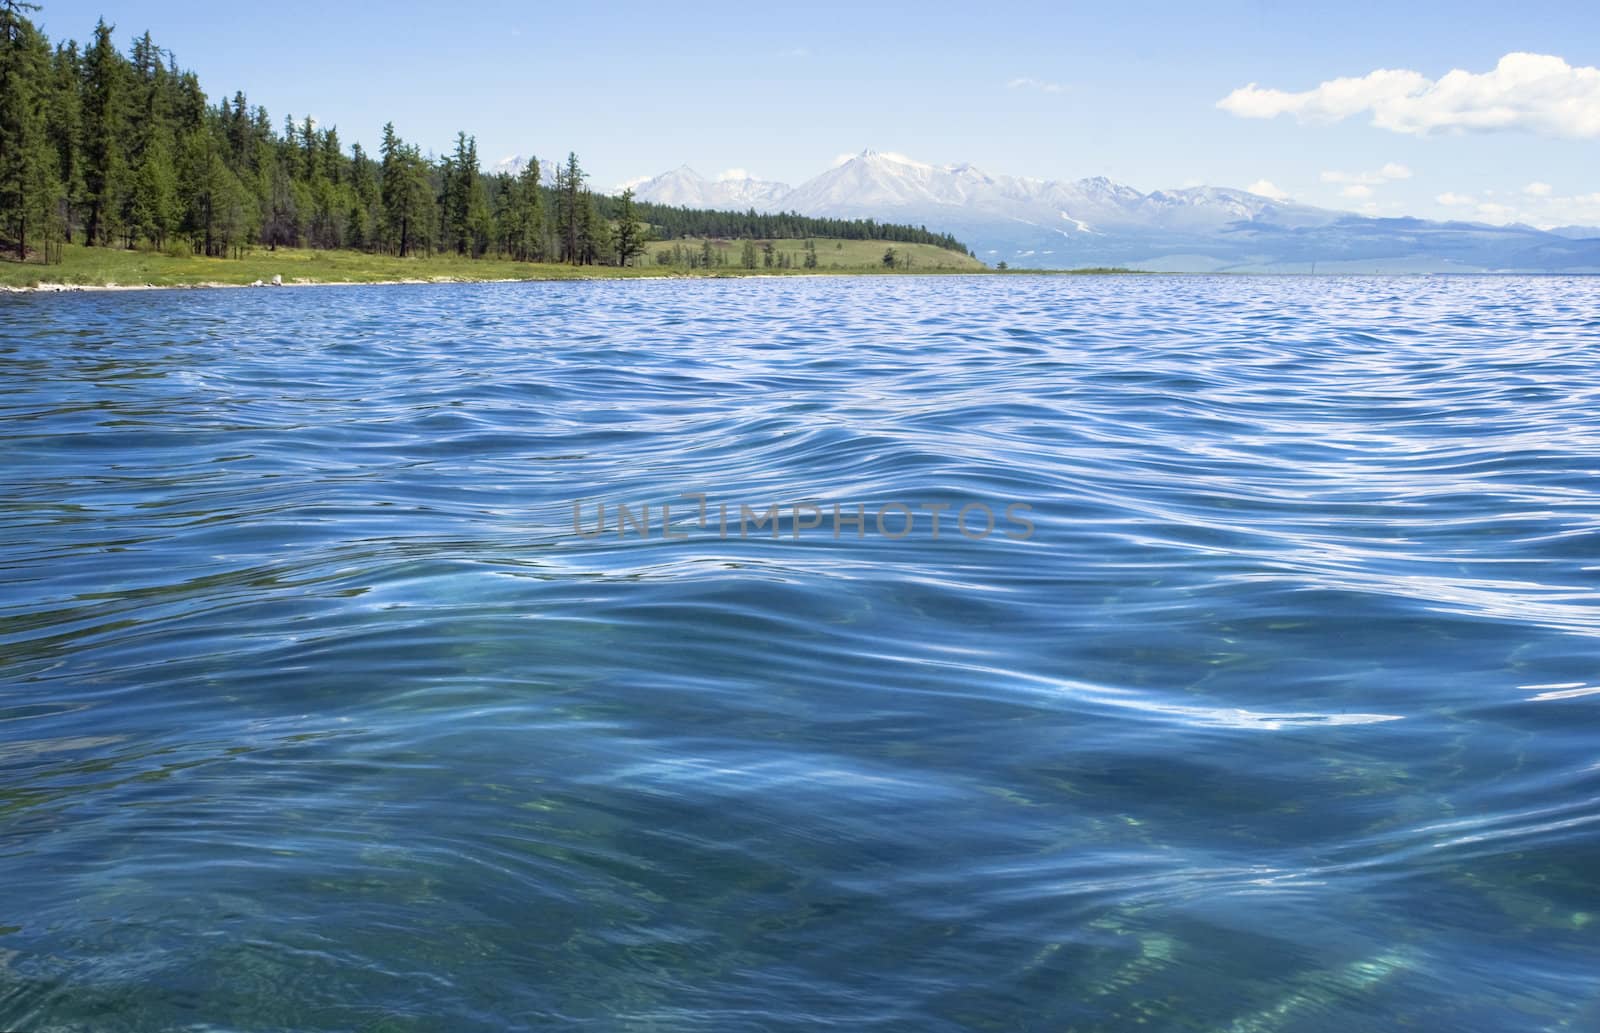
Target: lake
(1270,701)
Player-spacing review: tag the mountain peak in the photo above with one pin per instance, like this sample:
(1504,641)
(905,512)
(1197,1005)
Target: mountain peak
(734,190)
(1098,221)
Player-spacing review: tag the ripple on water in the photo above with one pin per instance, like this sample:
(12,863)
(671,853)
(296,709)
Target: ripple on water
(315,714)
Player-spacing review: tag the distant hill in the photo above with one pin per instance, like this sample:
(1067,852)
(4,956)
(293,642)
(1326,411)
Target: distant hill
(1094,222)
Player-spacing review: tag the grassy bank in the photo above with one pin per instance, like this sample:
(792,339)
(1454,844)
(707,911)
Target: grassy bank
(833,256)
(84,266)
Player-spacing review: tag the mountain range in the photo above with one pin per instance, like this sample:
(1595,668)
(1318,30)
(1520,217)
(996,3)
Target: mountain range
(1039,223)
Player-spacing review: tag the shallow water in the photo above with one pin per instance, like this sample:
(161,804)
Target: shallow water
(315,714)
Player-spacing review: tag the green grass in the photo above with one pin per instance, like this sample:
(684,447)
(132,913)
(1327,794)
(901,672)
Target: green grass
(101,266)
(833,256)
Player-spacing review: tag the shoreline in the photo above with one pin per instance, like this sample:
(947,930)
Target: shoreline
(104,268)
(576,277)
(76,288)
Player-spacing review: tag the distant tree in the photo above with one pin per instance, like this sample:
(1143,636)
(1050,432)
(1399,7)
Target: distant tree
(889,259)
(1002,267)
(524,215)
(768,253)
(406,195)
(571,206)
(596,243)
(629,234)
(461,182)
(361,226)
(480,218)
(747,254)
(811,254)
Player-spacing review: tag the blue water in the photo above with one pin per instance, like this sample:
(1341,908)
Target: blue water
(316,714)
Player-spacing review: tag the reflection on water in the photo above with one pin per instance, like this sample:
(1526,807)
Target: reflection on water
(315,715)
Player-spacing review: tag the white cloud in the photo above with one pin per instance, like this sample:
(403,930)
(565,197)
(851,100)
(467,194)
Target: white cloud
(1393,170)
(1029,83)
(1542,210)
(1267,188)
(1356,190)
(1537,189)
(730,175)
(1536,92)
(840,159)
(795,52)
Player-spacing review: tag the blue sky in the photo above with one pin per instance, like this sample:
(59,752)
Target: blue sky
(1057,90)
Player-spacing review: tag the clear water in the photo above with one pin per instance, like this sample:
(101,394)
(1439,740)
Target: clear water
(316,715)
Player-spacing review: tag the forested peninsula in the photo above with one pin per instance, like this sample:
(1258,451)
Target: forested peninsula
(117,168)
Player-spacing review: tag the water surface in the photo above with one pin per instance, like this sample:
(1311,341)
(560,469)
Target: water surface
(316,715)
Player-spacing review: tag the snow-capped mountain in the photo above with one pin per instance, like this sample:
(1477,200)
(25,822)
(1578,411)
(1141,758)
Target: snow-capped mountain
(685,187)
(1060,224)
(512,165)
(887,185)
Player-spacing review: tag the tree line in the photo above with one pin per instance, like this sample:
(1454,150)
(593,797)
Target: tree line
(105,149)
(670,223)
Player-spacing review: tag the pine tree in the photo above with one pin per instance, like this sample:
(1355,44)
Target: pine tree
(396,191)
(216,208)
(154,210)
(28,183)
(64,128)
(630,235)
(407,196)
(281,211)
(104,118)
(747,254)
(569,187)
(589,223)
(527,244)
(477,226)
(480,219)
(470,224)
(363,226)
